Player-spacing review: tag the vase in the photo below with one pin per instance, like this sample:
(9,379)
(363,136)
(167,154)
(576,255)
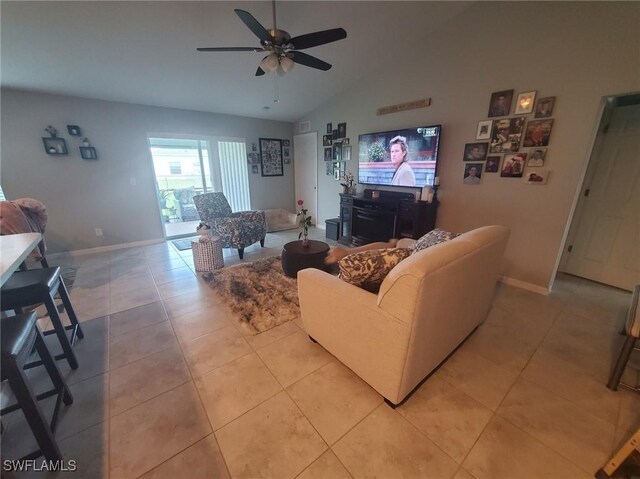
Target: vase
(345,190)
(305,241)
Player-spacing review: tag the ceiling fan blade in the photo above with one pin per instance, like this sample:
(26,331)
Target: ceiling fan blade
(254,25)
(230,49)
(318,38)
(260,72)
(309,61)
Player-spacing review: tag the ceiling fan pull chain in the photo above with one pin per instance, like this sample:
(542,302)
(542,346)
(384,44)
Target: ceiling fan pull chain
(276,98)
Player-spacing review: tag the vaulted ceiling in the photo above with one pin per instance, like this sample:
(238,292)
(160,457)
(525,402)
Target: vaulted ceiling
(145,52)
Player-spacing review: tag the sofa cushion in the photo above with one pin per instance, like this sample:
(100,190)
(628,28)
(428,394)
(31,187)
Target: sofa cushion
(368,269)
(432,238)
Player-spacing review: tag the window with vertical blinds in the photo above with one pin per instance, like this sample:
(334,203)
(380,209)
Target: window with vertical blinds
(235,175)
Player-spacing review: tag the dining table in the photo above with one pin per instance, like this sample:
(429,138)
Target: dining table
(14,249)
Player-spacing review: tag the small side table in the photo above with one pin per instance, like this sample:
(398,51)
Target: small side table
(295,257)
(207,255)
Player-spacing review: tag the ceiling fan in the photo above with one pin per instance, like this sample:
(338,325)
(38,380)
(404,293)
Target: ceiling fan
(283,51)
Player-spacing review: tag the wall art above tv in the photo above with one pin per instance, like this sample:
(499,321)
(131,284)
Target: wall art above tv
(406,157)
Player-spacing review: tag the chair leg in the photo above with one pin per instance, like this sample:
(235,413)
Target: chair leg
(262,242)
(33,414)
(61,332)
(64,296)
(621,363)
(50,365)
(241,252)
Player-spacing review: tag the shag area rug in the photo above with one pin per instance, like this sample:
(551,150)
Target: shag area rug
(258,292)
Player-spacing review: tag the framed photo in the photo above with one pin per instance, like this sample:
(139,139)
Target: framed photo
(327,140)
(538,177)
(472,173)
(346,153)
(544,107)
(55,146)
(475,151)
(285,143)
(500,104)
(329,168)
(334,135)
(287,160)
(345,141)
(253,158)
(271,155)
(342,130)
(506,135)
(254,169)
(88,153)
(484,130)
(285,152)
(524,103)
(493,164)
(328,154)
(537,133)
(254,147)
(329,128)
(513,165)
(337,151)
(336,172)
(74,130)
(536,157)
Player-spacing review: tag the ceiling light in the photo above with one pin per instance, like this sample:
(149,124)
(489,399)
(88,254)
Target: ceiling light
(269,63)
(286,65)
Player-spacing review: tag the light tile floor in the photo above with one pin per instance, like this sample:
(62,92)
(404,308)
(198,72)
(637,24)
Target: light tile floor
(169,385)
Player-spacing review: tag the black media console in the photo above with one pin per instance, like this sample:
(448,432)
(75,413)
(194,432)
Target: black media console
(364,219)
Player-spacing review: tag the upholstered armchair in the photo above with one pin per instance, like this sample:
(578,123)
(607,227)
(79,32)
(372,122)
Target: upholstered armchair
(236,230)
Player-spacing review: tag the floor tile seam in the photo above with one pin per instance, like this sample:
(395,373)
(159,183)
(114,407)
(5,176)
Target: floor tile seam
(217,429)
(146,400)
(548,446)
(60,437)
(183,450)
(277,339)
(121,336)
(562,394)
(142,358)
(303,377)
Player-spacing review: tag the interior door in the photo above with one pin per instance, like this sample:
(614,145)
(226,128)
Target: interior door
(606,245)
(305,163)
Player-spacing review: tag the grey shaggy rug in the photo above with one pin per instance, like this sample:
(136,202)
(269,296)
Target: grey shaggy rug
(259,293)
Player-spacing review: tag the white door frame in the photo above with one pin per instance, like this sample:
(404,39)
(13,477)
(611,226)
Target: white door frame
(306,172)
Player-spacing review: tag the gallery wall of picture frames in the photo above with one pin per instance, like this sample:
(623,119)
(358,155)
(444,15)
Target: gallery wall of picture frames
(55,145)
(513,141)
(273,154)
(337,150)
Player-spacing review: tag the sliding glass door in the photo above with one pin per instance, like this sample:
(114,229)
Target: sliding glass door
(182,169)
(185,167)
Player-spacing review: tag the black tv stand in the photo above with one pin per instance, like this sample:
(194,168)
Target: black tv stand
(392,214)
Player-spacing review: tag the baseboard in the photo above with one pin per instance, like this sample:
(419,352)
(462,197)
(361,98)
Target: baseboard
(534,288)
(103,249)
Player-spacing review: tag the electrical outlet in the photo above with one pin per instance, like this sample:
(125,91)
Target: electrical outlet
(98,231)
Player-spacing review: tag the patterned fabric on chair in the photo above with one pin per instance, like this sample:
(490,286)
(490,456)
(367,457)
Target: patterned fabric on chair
(236,230)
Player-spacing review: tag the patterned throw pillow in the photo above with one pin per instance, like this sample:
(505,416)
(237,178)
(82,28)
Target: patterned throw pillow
(432,238)
(368,269)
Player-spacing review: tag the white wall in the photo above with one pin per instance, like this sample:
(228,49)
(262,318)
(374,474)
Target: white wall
(578,52)
(82,195)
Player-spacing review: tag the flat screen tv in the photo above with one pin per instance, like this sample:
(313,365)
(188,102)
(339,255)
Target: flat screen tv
(406,157)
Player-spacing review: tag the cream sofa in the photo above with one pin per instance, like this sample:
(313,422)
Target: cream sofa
(280,219)
(427,305)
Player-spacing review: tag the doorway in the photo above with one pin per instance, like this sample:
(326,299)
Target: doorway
(182,170)
(305,151)
(602,244)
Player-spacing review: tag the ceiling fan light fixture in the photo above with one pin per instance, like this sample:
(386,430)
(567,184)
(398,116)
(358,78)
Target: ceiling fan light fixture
(269,63)
(286,65)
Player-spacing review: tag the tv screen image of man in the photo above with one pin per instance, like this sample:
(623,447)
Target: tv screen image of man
(398,150)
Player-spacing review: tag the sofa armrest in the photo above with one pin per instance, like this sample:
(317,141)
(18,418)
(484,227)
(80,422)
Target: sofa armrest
(347,322)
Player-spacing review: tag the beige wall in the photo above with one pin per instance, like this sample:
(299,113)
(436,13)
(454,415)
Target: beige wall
(578,52)
(82,195)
